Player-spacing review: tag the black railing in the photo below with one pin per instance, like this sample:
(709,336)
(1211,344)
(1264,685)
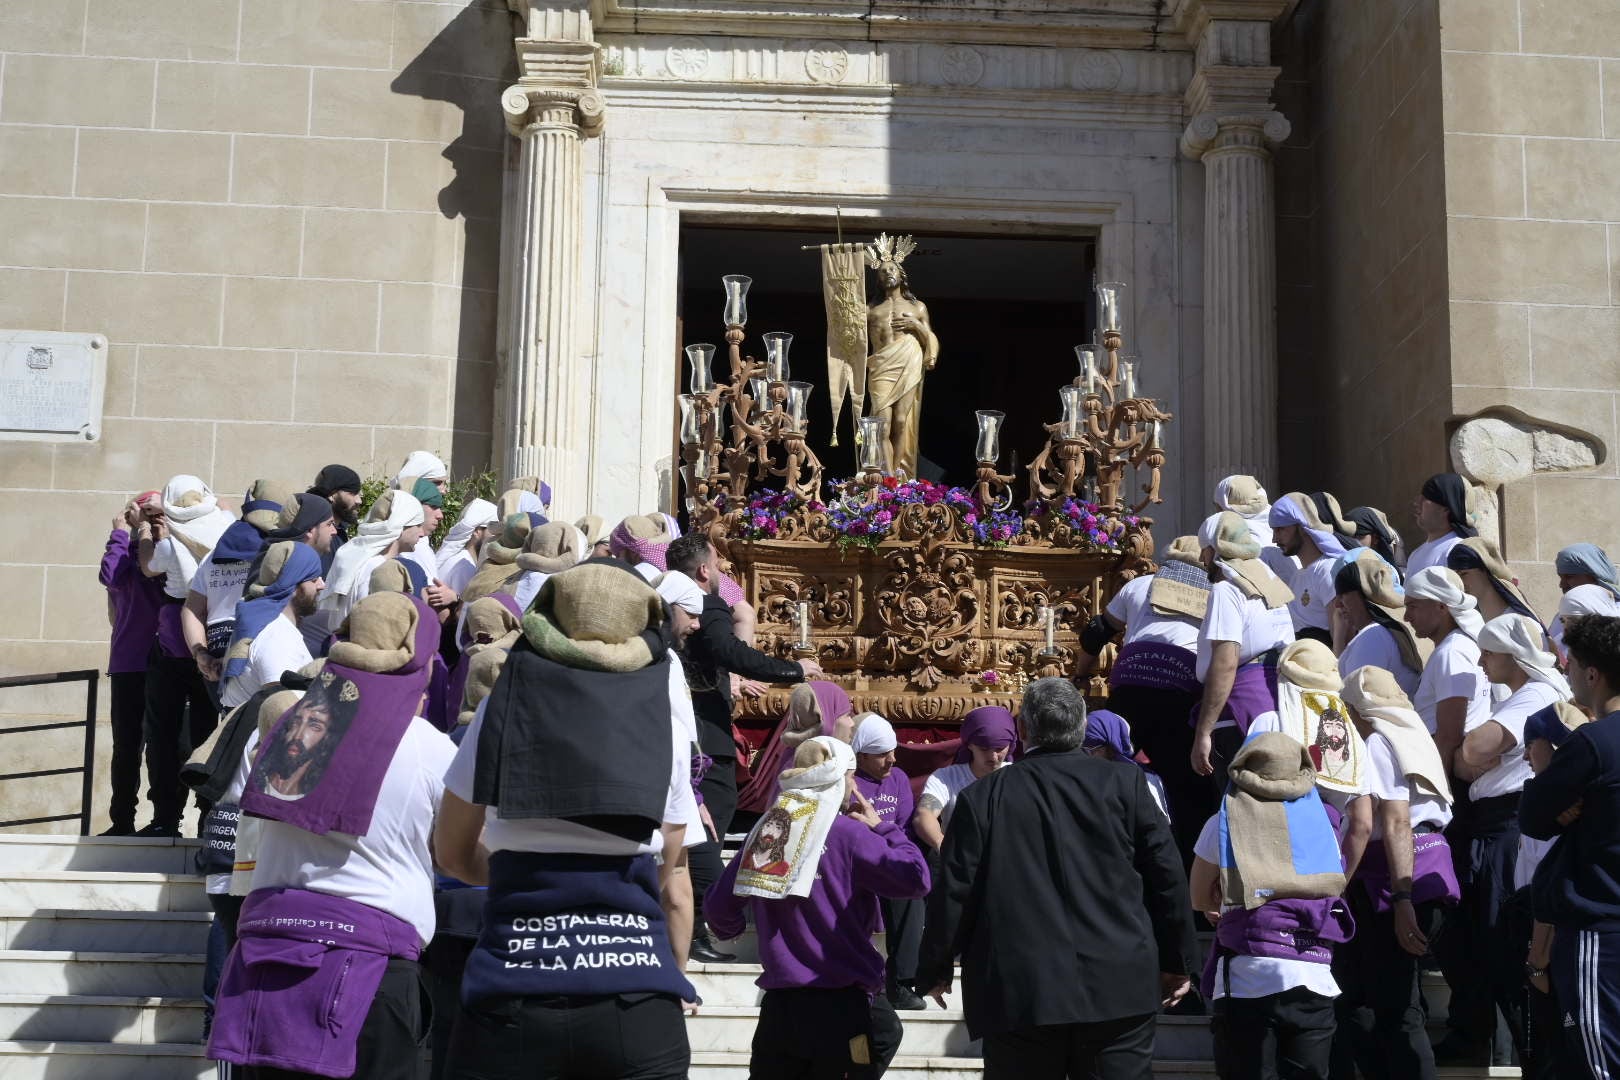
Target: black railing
(92,680)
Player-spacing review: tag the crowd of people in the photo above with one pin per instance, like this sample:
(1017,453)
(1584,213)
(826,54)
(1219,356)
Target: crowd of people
(503,768)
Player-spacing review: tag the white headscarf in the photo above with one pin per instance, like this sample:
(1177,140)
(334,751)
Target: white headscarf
(474,515)
(680,591)
(421,465)
(810,801)
(371,539)
(1520,638)
(873,735)
(193,514)
(1582,600)
(529,503)
(1374,694)
(1442,585)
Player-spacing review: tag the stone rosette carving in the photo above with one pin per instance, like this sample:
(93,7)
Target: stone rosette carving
(687,58)
(826,63)
(961,65)
(1097,71)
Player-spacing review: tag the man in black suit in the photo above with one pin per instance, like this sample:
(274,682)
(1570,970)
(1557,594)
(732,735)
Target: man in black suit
(711,655)
(1062,890)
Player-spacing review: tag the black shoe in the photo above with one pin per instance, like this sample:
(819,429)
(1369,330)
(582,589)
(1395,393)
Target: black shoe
(159,829)
(903,997)
(1453,1051)
(704,952)
(119,830)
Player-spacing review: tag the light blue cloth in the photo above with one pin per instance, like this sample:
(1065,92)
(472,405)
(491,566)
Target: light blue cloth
(1589,559)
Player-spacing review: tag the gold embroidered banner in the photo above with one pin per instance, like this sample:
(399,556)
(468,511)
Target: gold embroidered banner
(843,287)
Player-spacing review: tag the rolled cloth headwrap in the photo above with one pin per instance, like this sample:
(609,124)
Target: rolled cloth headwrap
(1520,638)
(990,727)
(193,514)
(1444,586)
(680,591)
(1457,496)
(1239,554)
(1589,559)
(393,513)
(1275,838)
(286,566)
(1379,700)
(261,513)
(597,616)
(1378,584)
(1480,553)
(428,494)
(538,487)
(1309,664)
(1297,508)
(1107,728)
(335,478)
(421,465)
(1555,723)
(520,501)
(474,516)
(781,854)
(594,528)
(1183,549)
(1370,521)
(873,735)
(553,548)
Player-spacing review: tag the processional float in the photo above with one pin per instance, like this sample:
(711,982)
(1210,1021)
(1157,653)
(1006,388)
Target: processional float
(923,600)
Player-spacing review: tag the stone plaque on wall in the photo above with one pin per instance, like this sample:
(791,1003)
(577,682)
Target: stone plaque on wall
(51,386)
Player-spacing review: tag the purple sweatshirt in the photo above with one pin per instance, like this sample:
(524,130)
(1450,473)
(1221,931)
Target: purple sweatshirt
(891,797)
(135,598)
(825,939)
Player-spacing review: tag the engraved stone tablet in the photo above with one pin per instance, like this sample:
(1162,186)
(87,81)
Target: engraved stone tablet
(51,386)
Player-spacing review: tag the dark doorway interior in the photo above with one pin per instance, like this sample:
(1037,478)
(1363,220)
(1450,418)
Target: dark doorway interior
(1007,310)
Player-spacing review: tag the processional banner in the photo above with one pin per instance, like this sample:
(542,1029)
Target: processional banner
(843,287)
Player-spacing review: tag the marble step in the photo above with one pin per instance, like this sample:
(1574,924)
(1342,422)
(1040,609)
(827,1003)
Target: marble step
(124,854)
(46,1060)
(107,931)
(101,974)
(713,1065)
(27,891)
(109,1019)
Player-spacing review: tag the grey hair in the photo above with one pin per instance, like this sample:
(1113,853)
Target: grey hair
(1054,715)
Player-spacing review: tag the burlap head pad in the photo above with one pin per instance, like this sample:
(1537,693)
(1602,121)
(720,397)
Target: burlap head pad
(381,634)
(1310,665)
(283,495)
(390,576)
(550,549)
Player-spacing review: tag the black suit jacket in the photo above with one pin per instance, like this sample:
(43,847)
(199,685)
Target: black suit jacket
(711,655)
(1062,891)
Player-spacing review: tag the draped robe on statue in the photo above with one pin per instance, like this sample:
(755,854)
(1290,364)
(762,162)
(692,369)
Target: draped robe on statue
(894,376)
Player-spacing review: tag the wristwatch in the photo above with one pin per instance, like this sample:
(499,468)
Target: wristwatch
(1534,972)
(1397,897)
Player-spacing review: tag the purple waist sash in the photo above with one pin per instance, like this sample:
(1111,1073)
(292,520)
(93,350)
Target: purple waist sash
(1281,930)
(297,987)
(1433,875)
(1254,693)
(1156,666)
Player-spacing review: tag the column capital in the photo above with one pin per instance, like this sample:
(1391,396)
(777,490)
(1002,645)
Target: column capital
(1192,18)
(528,107)
(1256,132)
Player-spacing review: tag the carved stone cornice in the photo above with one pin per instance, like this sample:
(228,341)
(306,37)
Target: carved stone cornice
(1192,18)
(531,107)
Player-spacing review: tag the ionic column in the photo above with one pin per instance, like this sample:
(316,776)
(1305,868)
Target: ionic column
(1240,292)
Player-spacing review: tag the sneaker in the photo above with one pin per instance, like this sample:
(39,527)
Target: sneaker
(160,829)
(905,998)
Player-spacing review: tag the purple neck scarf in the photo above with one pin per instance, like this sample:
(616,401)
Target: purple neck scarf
(989,726)
(322,764)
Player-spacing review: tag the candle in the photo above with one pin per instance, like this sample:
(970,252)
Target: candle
(1050,628)
(804,622)
(1153,435)
(1127,369)
(736,286)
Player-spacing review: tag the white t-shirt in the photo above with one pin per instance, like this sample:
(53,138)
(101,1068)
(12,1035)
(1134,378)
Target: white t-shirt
(1508,775)
(1233,617)
(1260,976)
(1313,596)
(222,584)
(389,868)
(1130,606)
(557,836)
(1339,798)
(1375,646)
(220,884)
(1386,781)
(945,784)
(1453,671)
(1431,553)
(177,564)
(456,573)
(684,719)
(528,587)
(278,648)
(1531,852)
(1284,566)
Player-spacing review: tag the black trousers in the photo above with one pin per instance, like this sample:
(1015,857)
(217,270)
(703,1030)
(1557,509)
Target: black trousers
(1161,727)
(1286,1036)
(817,1034)
(390,1044)
(443,963)
(1380,1009)
(600,1037)
(1224,745)
(903,931)
(128,737)
(1484,850)
(180,715)
(719,791)
(1110,1050)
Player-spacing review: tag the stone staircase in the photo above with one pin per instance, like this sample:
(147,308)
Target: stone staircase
(101,962)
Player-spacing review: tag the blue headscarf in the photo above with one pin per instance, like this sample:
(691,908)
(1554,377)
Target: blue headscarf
(253,615)
(242,541)
(1589,559)
(1547,724)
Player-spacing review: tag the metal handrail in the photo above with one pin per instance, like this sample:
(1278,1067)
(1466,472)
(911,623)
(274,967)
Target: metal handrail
(92,679)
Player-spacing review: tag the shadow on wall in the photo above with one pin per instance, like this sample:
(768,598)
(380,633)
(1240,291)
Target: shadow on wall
(468,64)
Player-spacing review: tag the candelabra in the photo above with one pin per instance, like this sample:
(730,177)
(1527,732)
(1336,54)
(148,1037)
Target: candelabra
(1105,426)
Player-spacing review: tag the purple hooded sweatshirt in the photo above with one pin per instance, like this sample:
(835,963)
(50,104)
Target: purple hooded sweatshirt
(824,940)
(891,797)
(136,599)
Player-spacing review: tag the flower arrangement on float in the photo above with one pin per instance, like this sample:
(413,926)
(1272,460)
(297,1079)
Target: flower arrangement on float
(1093,527)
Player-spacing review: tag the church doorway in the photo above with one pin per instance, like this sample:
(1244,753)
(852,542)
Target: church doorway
(1007,309)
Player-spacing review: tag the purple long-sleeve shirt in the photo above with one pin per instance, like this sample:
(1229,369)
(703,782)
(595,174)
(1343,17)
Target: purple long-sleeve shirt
(891,797)
(825,939)
(135,598)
